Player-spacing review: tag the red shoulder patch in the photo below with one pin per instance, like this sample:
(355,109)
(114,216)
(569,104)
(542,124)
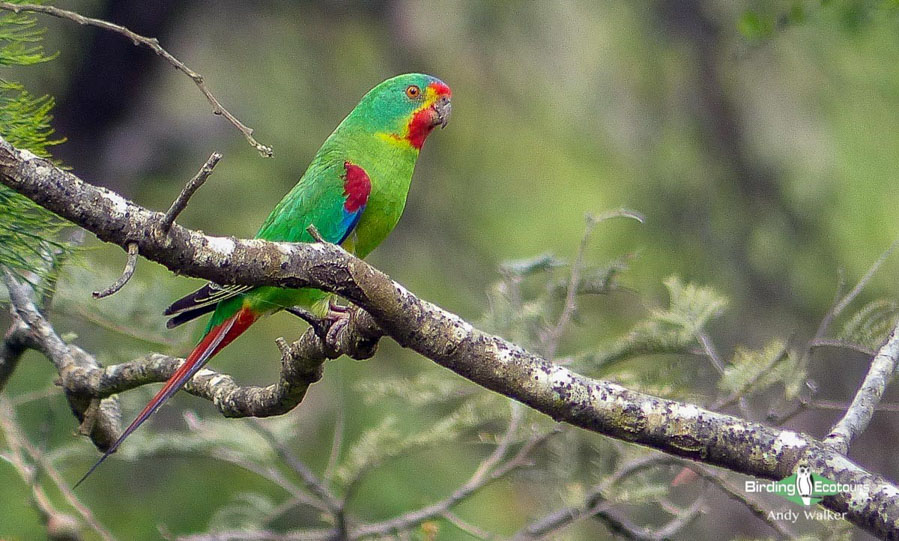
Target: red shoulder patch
(356,187)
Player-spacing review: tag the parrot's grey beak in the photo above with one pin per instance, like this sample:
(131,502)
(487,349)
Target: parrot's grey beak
(443,108)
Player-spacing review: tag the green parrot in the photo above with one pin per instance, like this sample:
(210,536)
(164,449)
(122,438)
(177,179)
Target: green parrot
(353,193)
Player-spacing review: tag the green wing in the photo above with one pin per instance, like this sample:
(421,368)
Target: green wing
(318,199)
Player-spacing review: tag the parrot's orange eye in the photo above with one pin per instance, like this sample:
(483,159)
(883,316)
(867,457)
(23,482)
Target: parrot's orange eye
(413,91)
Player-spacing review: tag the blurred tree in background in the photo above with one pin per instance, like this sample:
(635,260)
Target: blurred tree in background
(758,139)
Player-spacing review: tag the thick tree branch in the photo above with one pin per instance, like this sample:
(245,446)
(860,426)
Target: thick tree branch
(601,406)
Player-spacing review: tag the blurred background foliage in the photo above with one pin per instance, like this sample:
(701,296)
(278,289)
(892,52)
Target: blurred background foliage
(758,138)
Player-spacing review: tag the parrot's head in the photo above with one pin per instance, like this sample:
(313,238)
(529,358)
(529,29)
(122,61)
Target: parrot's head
(406,108)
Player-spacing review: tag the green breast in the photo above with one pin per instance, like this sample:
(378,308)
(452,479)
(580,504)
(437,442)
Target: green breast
(389,165)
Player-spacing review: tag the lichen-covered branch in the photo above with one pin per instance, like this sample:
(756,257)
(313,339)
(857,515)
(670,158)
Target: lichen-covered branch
(82,376)
(604,407)
(99,419)
(866,400)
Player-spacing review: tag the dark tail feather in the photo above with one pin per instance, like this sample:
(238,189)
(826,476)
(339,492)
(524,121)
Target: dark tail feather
(208,295)
(217,338)
(190,315)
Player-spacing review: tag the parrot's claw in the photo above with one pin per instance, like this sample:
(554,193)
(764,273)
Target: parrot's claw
(334,307)
(328,327)
(319,325)
(331,337)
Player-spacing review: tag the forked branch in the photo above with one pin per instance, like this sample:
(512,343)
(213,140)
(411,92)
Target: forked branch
(490,361)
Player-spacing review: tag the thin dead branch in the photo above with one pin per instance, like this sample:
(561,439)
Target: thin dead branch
(153,45)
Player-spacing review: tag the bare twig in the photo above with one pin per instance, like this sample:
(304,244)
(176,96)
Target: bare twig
(714,357)
(617,524)
(681,520)
(626,529)
(619,213)
(860,412)
(490,469)
(499,452)
(595,504)
(152,44)
(710,351)
(832,311)
(312,482)
(735,493)
(551,338)
(841,344)
(126,274)
(313,232)
(192,186)
(123,329)
(844,302)
(339,428)
(841,406)
(52,518)
(326,534)
(839,304)
(15,438)
(478,480)
(470,529)
(272,475)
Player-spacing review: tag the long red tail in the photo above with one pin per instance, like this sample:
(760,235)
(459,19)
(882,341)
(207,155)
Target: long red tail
(217,338)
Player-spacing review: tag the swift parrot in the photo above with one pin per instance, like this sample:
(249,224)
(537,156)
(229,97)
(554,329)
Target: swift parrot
(353,192)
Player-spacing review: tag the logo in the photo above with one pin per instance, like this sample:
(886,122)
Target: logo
(803,487)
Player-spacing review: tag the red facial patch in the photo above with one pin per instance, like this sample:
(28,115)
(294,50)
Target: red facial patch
(420,127)
(356,186)
(423,121)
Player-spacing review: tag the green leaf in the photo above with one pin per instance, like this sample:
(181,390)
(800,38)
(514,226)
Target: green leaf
(386,441)
(870,326)
(26,230)
(672,330)
(691,307)
(20,39)
(752,371)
